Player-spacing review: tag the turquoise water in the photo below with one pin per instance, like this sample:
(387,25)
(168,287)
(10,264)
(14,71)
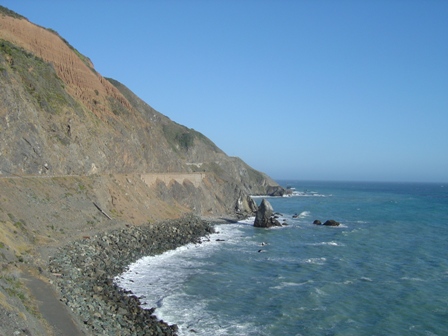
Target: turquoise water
(384,271)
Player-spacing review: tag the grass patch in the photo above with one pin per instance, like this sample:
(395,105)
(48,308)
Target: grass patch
(20,225)
(182,138)
(179,137)
(38,77)
(115,213)
(91,222)
(117,108)
(14,288)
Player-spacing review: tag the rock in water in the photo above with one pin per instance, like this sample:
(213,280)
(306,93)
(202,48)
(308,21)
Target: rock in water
(331,222)
(265,216)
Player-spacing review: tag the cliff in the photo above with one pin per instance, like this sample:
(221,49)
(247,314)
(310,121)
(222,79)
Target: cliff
(81,154)
(60,118)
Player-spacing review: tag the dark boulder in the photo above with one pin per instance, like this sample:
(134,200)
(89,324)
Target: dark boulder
(317,222)
(265,216)
(331,222)
(275,222)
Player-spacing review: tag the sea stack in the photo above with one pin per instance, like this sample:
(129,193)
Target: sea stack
(265,216)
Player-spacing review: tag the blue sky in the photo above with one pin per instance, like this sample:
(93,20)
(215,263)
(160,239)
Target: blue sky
(322,90)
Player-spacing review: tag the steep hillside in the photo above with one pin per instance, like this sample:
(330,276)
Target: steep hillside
(58,116)
(81,154)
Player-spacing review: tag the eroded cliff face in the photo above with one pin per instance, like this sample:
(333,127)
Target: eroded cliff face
(58,116)
(75,70)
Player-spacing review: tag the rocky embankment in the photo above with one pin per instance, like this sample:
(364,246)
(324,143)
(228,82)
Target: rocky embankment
(84,272)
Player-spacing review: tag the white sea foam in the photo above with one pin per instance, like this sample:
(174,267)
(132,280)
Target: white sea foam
(159,279)
(330,243)
(305,194)
(294,194)
(290,259)
(283,285)
(413,279)
(176,307)
(248,220)
(319,292)
(263,196)
(315,261)
(304,214)
(340,226)
(366,279)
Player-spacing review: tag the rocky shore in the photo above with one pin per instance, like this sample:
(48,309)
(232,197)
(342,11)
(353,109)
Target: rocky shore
(84,272)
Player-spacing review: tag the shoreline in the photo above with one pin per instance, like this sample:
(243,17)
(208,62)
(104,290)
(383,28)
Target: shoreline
(84,273)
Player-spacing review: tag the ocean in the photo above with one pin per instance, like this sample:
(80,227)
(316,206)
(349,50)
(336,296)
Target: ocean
(383,271)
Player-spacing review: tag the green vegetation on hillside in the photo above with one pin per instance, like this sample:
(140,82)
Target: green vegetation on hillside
(117,108)
(179,137)
(206,140)
(183,138)
(86,60)
(38,77)
(8,12)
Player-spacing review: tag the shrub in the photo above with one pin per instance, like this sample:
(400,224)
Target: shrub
(8,12)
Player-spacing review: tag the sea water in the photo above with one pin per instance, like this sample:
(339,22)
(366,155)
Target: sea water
(383,271)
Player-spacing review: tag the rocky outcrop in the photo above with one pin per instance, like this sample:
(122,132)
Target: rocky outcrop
(331,222)
(246,206)
(265,217)
(275,190)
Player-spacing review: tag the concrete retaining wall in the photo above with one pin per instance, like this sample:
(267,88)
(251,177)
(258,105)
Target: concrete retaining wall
(167,178)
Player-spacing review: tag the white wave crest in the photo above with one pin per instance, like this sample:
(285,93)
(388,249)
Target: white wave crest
(413,279)
(315,261)
(304,214)
(305,194)
(330,243)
